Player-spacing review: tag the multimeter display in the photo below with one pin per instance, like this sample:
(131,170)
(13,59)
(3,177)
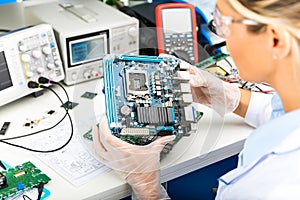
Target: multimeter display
(183,17)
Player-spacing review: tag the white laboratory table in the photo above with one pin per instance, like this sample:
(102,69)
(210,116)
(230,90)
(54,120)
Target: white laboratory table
(217,138)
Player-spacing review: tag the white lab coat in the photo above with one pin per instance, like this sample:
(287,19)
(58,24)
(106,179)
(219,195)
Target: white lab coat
(274,174)
(259,109)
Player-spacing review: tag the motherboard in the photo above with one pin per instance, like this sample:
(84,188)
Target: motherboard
(148,97)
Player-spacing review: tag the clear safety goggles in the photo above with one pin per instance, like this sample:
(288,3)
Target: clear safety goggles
(222,23)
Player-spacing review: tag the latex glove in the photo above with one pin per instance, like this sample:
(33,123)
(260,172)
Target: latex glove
(209,90)
(138,165)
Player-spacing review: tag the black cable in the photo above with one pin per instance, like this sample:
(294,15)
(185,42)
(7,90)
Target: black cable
(36,85)
(40,190)
(211,49)
(68,99)
(29,134)
(4,30)
(228,63)
(28,198)
(44,80)
(45,151)
(244,84)
(212,26)
(260,90)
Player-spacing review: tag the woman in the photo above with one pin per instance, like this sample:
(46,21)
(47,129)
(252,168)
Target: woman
(263,38)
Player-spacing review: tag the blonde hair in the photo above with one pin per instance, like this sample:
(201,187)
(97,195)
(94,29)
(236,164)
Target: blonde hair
(284,14)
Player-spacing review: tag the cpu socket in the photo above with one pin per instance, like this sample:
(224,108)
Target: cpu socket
(137,83)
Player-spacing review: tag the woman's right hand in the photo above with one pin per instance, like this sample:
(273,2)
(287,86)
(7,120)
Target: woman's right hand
(138,165)
(211,91)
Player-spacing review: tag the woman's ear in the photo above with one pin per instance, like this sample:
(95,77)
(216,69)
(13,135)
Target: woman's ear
(281,42)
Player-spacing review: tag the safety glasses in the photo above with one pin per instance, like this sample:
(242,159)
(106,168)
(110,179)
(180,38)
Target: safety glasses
(222,23)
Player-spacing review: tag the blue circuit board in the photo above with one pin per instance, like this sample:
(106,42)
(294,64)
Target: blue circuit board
(146,97)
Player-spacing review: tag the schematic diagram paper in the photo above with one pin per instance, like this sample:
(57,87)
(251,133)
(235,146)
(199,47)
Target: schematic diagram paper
(74,162)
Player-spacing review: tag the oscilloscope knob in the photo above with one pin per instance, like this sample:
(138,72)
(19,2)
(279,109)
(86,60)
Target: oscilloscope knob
(22,48)
(46,50)
(87,75)
(36,54)
(25,58)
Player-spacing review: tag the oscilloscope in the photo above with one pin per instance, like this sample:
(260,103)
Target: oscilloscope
(25,55)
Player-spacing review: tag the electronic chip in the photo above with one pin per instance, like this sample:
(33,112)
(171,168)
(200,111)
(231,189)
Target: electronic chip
(88,135)
(89,95)
(69,105)
(50,112)
(4,128)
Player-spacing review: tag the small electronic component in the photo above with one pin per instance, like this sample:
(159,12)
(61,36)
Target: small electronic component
(88,135)
(34,122)
(3,181)
(146,98)
(15,180)
(4,128)
(89,95)
(50,112)
(69,105)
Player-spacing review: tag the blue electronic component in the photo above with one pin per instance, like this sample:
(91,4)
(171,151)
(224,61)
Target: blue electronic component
(20,186)
(146,98)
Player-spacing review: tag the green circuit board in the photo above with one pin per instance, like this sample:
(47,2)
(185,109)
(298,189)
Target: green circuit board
(22,177)
(211,60)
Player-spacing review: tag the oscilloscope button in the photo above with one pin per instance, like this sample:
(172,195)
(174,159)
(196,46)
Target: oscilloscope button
(50,65)
(29,74)
(57,63)
(40,70)
(74,76)
(95,73)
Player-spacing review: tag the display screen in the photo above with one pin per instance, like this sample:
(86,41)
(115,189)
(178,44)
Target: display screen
(177,20)
(5,79)
(87,49)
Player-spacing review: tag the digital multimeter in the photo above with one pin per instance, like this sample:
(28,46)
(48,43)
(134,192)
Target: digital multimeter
(176,30)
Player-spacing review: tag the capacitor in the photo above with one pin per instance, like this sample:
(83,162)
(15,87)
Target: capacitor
(125,110)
